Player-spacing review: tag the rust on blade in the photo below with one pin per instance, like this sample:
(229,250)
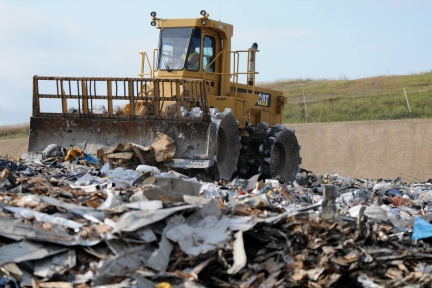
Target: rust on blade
(193,140)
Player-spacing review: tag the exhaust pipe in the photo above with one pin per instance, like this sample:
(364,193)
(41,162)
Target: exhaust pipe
(251,64)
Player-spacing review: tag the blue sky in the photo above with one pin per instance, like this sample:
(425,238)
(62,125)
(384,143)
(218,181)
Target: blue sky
(297,39)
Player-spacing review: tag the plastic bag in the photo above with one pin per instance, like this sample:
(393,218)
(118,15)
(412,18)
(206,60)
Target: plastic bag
(394,192)
(54,150)
(29,201)
(148,168)
(87,157)
(422,229)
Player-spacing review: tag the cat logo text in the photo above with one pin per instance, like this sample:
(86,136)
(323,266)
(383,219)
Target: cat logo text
(264,100)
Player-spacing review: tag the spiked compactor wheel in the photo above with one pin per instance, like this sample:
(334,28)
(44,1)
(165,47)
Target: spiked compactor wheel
(271,151)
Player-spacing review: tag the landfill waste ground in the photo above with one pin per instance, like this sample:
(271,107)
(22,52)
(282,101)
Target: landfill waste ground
(123,219)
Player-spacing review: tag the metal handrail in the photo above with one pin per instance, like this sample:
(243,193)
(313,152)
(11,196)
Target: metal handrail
(143,58)
(236,66)
(154,60)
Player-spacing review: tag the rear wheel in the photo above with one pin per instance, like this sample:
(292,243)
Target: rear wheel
(272,152)
(285,156)
(278,158)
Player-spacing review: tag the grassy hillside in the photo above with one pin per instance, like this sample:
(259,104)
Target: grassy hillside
(376,98)
(14,131)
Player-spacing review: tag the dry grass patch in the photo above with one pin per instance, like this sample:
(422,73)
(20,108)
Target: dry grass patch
(14,131)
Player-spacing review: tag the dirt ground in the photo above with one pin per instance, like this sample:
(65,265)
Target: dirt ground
(12,148)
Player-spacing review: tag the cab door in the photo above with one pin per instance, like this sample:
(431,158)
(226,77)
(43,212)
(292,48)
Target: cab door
(211,48)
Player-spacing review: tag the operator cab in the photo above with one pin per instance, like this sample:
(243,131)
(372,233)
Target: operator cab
(193,48)
(181,49)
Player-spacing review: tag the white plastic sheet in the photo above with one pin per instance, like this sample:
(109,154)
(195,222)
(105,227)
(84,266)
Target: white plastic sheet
(42,217)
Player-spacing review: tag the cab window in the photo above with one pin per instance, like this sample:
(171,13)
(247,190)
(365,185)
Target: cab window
(209,53)
(193,52)
(173,43)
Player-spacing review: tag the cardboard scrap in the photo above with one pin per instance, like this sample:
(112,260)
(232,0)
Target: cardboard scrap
(164,147)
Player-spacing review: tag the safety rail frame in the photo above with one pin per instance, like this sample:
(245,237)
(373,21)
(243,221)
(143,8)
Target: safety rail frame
(145,57)
(235,73)
(135,90)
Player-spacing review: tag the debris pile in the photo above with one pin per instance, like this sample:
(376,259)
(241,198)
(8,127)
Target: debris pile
(89,223)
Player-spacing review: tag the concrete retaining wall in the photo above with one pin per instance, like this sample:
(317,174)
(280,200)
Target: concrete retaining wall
(368,149)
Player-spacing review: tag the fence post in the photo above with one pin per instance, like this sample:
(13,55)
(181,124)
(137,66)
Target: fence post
(409,108)
(307,116)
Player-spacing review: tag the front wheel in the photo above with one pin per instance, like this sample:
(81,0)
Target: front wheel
(227,146)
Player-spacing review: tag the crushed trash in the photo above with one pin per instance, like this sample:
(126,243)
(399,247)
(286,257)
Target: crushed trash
(164,147)
(123,219)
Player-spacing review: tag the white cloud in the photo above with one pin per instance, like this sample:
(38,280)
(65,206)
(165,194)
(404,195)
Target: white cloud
(29,41)
(73,28)
(15,19)
(31,45)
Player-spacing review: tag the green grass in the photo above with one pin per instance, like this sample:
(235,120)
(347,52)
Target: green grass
(14,131)
(375,98)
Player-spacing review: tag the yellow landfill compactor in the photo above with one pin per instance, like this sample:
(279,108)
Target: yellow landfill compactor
(190,91)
